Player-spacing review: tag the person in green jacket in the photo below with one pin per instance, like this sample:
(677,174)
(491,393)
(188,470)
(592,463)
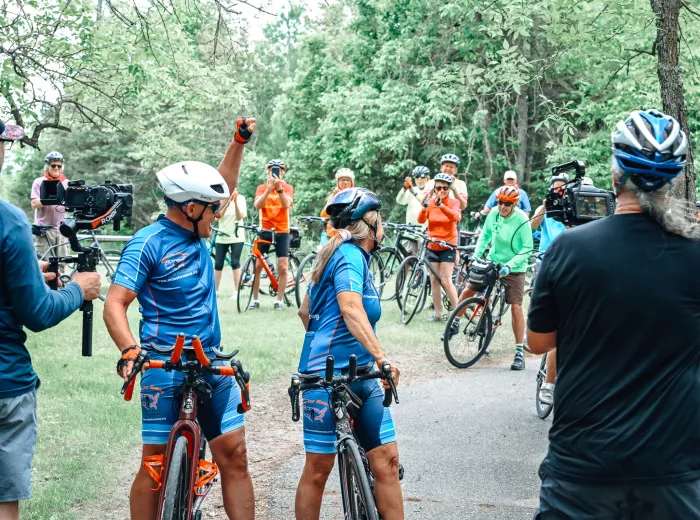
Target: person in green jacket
(510,237)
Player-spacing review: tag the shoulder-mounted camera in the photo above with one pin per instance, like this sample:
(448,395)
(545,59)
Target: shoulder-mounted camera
(576,203)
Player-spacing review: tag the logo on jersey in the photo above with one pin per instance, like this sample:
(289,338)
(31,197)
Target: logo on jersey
(150,395)
(174,260)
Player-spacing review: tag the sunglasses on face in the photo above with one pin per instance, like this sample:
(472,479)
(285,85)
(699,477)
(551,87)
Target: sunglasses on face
(215,207)
(442,188)
(504,203)
(58,166)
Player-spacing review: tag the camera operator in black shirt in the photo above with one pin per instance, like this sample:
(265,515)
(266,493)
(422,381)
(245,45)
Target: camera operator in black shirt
(625,440)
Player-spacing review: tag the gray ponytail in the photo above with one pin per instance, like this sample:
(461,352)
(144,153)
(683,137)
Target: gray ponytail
(673,215)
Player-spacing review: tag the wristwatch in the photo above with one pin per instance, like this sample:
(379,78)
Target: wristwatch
(280,191)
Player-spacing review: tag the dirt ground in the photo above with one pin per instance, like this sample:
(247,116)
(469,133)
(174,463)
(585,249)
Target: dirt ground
(272,439)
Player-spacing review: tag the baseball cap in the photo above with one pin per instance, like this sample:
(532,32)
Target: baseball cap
(10,132)
(510,174)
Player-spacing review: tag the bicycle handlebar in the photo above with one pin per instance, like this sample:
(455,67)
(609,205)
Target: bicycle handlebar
(217,231)
(301,382)
(201,366)
(309,218)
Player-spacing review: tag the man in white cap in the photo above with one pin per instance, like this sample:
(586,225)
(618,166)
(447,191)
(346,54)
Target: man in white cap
(510,178)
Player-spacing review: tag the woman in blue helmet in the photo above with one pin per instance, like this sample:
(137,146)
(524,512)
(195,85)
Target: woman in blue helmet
(340,312)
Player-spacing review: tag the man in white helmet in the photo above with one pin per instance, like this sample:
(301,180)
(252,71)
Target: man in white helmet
(167,267)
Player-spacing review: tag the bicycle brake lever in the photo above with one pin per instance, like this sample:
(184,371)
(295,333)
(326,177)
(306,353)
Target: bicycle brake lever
(294,397)
(128,387)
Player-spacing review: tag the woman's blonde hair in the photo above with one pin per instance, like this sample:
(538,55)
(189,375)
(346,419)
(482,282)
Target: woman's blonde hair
(356,232)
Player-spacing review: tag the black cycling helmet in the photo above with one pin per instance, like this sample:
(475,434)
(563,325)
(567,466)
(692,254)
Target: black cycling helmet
(351,205)
(420,172)
(53,156)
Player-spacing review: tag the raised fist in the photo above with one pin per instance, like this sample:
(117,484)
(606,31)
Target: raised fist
(245,126)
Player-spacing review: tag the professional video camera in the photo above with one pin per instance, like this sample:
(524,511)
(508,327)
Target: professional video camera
(92,207)
(577,203)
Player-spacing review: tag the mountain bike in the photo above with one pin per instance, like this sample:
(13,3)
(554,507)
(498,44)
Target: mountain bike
(303,272)
(483,313)
(106,257)
(394,255)
(356,479)
(412,293)
(543,410)
(182,471)
(269,273)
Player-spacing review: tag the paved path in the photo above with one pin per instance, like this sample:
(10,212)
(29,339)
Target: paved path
(471,444)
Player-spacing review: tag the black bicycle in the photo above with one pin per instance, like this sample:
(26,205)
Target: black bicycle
(356,479)
(393,256)
(466,341)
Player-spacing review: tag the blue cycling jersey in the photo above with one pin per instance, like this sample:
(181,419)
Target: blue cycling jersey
(174,277)
(347,270)
(551,229)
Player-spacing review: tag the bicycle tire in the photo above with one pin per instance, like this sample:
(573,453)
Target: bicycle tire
(479,332)
(391,261)
(414,293)
(543,410)
(404,267)
(245,286)
(292,268)
(358,500)
(376,268)
(302,277)
(176,492)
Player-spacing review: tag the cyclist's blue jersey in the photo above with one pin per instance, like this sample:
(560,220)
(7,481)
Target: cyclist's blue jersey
(174,277)
(347,270)
(551,229)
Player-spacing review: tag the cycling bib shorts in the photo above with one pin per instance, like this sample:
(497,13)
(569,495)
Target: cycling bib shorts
(373,425)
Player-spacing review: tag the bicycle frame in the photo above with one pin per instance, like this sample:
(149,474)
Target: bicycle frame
(201,473)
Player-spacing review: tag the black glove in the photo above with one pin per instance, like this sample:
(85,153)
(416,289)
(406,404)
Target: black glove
(243,134)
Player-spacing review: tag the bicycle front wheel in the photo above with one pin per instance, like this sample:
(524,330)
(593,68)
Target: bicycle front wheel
(176,492)
(358,500)
(391,262)
(413,293)
(543,410)
(402,273)
(245,287)
(376,268)
(473,335)
(303,277)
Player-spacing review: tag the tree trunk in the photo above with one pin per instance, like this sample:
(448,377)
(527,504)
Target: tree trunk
(483,104)
(671,83)
(523,120)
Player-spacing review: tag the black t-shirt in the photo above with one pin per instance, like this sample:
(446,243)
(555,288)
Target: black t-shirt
(624,298)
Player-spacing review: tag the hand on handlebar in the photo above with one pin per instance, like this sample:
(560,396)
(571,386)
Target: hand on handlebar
(395,374)
(125,365)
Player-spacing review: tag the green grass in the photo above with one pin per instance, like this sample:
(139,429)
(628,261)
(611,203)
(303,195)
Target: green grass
(88,433)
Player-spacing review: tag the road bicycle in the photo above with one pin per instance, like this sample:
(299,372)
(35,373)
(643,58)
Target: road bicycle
(248,278)
(393,256)
(413,287)
(356,479)
(303,272)
(466,343)
(543,410)
(302,277)
(108,258)
(182,471)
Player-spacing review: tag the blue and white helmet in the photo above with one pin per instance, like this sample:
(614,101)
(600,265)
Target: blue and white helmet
(449,157)
(650,149)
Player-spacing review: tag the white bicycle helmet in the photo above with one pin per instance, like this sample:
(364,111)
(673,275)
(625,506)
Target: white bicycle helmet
(444,178)
(192,181)
(449,157)
(345,172)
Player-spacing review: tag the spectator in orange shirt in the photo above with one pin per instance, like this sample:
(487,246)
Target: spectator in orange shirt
(442,213)
(273,200)
(344,179)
